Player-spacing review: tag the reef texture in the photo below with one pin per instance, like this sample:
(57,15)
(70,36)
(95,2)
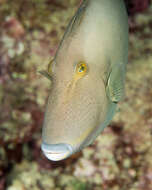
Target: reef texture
(121,157)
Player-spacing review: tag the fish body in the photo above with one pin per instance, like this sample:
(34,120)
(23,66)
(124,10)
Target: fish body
(87,77)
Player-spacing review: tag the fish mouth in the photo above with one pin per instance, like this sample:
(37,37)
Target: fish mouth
(56,152)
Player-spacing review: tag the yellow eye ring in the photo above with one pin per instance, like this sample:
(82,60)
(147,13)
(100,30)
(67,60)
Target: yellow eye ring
(81,68)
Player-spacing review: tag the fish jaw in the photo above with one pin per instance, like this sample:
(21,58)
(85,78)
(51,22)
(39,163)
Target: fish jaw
(56,152)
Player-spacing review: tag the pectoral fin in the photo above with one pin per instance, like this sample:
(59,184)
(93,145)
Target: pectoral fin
(45,74)
(115,84)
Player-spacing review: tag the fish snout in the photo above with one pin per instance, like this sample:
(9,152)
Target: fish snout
(57,152)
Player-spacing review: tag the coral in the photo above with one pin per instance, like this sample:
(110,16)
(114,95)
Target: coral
(120,158)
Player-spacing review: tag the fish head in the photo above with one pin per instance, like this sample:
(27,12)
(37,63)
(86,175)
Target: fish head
(77,105)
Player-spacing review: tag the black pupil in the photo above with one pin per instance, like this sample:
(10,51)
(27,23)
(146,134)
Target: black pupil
(81,69)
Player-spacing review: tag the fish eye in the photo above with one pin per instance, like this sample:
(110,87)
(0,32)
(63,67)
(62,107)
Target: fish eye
(50,67)
(81,68)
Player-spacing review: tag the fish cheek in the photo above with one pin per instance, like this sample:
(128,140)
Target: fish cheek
(92,123)
(101,115)
(75,120)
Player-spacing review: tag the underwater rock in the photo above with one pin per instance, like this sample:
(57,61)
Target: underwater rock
(121,157)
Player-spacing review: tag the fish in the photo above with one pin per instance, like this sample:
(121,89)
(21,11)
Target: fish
(87,77)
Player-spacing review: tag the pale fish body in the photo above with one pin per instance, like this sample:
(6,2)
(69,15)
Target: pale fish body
(87,75)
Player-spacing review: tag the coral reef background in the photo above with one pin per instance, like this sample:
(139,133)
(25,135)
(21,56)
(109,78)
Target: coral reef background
(121,157)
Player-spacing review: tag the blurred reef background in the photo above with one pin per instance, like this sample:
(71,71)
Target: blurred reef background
(121,157)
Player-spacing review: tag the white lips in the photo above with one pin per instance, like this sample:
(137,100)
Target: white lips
(56,152)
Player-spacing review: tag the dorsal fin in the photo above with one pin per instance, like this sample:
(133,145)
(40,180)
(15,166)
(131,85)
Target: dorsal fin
(74,23)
